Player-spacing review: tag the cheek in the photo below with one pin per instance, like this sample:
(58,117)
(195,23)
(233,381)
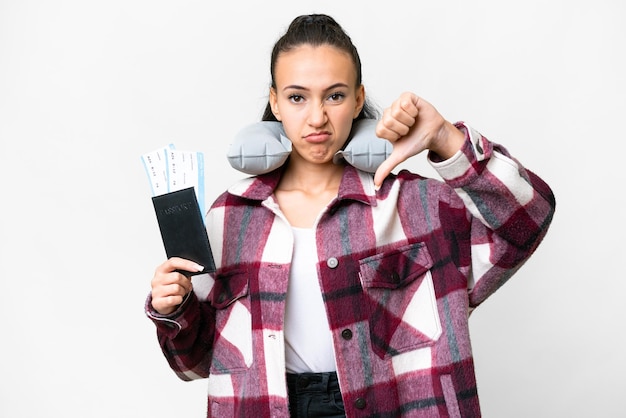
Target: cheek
(288,118)
(345,122)
(292,124)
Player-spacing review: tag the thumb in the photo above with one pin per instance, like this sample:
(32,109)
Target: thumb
(385,168)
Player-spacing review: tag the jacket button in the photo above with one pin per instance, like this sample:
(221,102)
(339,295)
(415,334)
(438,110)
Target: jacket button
(346,334)
(332,262)
(359,403)
(395,277)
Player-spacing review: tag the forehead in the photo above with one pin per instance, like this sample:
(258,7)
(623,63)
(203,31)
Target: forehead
(307,65)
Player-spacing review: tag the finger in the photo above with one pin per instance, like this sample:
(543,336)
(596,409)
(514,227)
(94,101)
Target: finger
(174,289)
(173,278)
(385,168)
(166,305)
(390,128)
(396,122)
(405,108)
(388,134)
(177,263)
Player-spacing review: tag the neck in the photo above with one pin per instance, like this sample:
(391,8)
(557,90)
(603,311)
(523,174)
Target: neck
(310,177)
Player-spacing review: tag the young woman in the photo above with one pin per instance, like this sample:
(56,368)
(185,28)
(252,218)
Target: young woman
(339,293)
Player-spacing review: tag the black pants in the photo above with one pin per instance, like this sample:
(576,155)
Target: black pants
(314,395)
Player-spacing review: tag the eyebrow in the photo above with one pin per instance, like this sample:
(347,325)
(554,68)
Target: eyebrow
(331,87)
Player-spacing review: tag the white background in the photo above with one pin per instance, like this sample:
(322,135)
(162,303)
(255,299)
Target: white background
(86,87)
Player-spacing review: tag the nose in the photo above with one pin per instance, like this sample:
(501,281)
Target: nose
(317,115)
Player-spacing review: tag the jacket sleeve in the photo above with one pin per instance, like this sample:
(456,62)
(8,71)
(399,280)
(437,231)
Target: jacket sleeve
(510,210)
(186,336)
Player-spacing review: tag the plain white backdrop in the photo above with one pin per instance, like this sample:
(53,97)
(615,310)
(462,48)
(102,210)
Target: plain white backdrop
(86,87)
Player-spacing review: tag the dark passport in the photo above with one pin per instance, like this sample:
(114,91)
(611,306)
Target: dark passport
(182,228)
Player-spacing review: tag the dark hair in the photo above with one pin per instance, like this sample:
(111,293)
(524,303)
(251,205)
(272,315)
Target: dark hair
(317,30)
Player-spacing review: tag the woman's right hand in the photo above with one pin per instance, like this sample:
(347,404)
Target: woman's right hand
(169,287)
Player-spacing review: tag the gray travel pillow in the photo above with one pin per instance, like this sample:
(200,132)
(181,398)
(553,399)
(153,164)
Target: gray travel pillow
(262,147)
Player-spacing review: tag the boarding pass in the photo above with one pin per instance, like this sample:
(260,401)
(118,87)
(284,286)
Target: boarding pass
(170,170)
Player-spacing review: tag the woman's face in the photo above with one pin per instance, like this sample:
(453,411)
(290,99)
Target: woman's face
(316,99)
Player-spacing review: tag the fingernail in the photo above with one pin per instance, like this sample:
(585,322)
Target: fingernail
(199,267)
(376,187)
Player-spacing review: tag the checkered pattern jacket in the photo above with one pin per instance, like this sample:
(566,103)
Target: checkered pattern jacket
(400,268)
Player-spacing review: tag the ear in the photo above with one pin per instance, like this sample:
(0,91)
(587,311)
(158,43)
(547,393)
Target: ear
(360,100)
(274,103)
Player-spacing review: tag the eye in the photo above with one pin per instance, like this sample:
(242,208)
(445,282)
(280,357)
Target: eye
(336,97)
(296,98)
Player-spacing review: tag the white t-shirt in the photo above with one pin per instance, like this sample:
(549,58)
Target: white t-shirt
(308,340)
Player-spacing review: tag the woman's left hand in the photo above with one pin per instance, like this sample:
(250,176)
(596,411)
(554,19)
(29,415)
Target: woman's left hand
(413,125)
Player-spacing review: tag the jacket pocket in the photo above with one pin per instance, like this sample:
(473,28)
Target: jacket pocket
(232,347)
(403,313)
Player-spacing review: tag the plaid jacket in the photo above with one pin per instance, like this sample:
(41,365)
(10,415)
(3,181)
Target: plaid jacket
(399,268)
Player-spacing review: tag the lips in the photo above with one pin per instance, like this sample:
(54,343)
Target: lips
(317,137)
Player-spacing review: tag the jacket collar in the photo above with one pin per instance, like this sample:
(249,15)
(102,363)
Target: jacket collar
(355,185)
